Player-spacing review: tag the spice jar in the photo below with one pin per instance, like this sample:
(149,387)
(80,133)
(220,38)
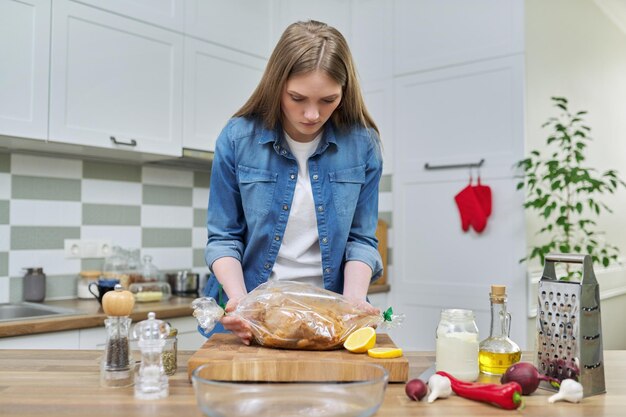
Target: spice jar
(457,344)
(170,352)
(82,285)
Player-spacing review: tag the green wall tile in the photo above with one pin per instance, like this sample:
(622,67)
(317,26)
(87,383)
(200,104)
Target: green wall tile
(39,188)
(198,258)
(389,256)
(165,238)
(4,212)
(60,286)
(386,216)
(5,162)
(91,264)
(111,171)
(199,217)
(385,184)
(167,196)
(108,214)
(202,179)
(41,237)
(4,264)
(16,289)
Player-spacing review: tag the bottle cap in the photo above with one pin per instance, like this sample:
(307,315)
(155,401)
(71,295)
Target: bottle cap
(498,293)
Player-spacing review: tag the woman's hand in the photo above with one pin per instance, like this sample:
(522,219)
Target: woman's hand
(235,324)
(363,305)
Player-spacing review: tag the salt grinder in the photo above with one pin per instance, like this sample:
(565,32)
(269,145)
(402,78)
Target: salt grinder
(116,369)
(151,382)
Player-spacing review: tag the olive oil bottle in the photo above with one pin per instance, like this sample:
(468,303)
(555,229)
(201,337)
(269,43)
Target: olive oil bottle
(497,352)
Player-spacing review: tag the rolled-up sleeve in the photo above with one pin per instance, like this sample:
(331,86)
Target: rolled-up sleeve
(226,224)
(362,243)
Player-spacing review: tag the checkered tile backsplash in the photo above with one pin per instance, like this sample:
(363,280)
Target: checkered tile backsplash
(45,200)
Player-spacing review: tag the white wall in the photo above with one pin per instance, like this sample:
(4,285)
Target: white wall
(575,50)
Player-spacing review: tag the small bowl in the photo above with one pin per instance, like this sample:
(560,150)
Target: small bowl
(280,388)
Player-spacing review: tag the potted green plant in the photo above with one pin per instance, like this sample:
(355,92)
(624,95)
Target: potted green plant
(564,192)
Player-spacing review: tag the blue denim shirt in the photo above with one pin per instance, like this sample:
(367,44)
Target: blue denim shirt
(252,186)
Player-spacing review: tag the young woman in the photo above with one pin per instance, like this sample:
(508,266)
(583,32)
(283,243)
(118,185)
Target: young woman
(294,183)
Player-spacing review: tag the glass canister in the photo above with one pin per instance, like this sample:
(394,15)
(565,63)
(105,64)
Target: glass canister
(82,285)
(457,344)
(170,352)
(116,266)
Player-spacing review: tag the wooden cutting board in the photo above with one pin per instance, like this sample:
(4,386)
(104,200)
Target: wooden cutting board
(254,363)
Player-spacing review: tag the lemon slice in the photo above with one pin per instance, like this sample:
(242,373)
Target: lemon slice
(385,353)
(361,340)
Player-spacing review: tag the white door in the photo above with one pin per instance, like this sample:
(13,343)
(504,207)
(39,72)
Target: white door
(218,81)
(457,115)
(115,83)
(24,64)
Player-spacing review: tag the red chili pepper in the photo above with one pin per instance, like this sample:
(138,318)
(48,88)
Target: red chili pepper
(507,396)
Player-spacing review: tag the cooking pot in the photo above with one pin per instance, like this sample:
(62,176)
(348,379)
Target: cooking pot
(184,283)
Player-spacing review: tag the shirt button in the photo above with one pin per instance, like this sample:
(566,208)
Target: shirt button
(277,238)
(266,266)
(284,152)
(325,240)
(292,176)
(315,177)
(285,207)
(320,208)
(327,270)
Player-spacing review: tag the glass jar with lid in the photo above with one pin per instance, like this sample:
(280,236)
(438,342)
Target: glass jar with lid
(170,352)
(457,344)
(82,284)
(116,266)
(150,272)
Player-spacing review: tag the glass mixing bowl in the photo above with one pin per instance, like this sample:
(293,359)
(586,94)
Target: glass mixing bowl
(281,388)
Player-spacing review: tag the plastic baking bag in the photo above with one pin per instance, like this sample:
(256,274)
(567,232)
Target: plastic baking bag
(293,315)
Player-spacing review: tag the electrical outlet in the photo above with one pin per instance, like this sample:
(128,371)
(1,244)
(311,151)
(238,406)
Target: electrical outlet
(87,248)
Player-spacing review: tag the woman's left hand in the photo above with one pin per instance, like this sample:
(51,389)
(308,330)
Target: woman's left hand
(363,305)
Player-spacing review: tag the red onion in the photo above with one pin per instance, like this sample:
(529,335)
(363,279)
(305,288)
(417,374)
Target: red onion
(525,374)
(416,389)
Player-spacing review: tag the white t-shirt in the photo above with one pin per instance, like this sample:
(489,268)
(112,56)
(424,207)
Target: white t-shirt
(299,257)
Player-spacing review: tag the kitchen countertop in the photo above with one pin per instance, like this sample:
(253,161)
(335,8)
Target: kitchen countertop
(65,383)
(91,315)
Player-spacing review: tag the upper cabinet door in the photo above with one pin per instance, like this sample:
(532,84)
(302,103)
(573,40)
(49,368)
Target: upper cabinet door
(164,13)
(243,25)
(218,81)
(24,65)
(115,83)
(439,33)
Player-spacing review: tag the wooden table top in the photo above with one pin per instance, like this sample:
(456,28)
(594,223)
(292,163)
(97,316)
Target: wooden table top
(65,383)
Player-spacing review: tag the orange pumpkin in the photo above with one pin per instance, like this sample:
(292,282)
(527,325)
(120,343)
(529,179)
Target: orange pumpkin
(118,303)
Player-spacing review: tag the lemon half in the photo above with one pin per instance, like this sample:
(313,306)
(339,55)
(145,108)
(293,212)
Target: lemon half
(361,340)
(385,353)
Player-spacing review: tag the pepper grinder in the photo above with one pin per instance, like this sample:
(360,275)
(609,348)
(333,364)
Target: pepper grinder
(116,368)
(151,382)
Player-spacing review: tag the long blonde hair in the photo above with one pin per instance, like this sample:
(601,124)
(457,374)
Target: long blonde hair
(302,48)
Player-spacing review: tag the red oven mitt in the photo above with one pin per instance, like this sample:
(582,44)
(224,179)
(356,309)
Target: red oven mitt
(470,209)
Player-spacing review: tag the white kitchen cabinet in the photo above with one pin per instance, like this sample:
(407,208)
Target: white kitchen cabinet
(164,13)
(218,81)
(57,340)
(115,83)
(242,25)
(25,52)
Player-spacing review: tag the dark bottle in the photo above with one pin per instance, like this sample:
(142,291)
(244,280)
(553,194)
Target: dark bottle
(34,285)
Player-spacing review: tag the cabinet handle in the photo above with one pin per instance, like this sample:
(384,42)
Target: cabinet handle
(132,142)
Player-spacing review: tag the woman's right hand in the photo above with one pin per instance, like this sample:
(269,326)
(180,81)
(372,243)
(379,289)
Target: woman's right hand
(236,325)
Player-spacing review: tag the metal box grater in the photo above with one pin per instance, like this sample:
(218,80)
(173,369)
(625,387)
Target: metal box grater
(569,328)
